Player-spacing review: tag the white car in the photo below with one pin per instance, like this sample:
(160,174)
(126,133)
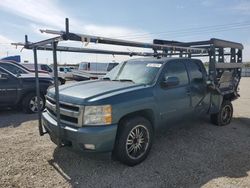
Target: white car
(65,72)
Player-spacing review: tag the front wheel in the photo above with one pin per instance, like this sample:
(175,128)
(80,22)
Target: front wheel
(30,103)
(224,116)
(134,140)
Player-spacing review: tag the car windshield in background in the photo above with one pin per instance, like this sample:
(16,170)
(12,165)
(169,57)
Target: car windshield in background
(135,71)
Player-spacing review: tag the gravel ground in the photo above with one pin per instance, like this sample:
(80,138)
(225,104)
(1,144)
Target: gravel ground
(195,155)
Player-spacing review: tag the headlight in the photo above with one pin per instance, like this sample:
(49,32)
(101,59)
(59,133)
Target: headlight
(97,115)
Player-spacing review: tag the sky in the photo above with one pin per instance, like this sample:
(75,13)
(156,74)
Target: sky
(141,20)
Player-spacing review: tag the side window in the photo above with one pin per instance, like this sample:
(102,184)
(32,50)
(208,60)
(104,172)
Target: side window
(83,66)
(177,69)
(2,73)
(111,66)
(46,68)
(61,69)
(43,68)
(195,72)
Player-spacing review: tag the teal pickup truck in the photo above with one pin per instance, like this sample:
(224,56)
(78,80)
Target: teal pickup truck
(120,112)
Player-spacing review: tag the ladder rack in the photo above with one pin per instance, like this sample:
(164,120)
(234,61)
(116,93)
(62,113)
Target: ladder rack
(214,49)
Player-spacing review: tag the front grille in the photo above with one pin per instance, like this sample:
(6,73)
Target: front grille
(63,117)
(69,114)
(66,106)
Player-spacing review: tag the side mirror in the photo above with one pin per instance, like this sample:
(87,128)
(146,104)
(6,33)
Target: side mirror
(170,82)
(4,76)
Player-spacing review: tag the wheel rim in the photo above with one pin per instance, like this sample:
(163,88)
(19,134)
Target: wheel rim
(226,114)
(137,142)
(33,105)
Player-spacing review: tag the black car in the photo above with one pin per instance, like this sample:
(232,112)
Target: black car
(18,87)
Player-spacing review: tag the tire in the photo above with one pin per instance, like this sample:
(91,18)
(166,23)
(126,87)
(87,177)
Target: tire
(133,141)
(61,81)
(224,116)
(29,103)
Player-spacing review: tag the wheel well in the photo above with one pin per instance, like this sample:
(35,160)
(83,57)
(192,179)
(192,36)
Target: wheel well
(146,113)
(27,93)
(229,97)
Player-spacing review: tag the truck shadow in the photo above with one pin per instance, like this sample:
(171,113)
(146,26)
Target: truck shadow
(14,117)
(184,156)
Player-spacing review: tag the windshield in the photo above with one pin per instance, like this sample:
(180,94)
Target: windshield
(139,72)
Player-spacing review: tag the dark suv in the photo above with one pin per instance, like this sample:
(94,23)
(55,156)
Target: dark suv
(18,88)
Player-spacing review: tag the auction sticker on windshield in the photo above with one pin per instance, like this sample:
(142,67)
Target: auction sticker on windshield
(157,65)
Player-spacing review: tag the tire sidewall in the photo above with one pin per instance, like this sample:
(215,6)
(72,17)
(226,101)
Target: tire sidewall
(225,104)
(122,136)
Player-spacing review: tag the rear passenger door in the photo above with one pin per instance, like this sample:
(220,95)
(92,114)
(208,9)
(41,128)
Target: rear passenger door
(198,87)
(174,102)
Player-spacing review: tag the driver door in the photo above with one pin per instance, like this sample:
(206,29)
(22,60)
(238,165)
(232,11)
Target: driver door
(174,102)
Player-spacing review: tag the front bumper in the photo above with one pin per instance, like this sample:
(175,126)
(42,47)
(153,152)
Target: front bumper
(102,137)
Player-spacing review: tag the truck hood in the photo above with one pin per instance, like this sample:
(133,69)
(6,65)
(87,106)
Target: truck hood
(88,91)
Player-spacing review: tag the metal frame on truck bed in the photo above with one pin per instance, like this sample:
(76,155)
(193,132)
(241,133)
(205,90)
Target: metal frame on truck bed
(223,78)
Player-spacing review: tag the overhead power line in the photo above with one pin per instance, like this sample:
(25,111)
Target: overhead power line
(186,29)
(191,33)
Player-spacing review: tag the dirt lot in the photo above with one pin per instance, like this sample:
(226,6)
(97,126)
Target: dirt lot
(195,155)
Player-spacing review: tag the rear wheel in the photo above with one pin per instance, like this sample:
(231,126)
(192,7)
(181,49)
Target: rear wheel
(224,116)
(30,103)
(134,140)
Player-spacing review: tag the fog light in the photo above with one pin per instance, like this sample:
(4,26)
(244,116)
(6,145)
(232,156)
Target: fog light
(89,146)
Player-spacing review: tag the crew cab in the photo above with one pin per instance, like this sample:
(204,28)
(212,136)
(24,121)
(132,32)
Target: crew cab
(120,112)
(18,87)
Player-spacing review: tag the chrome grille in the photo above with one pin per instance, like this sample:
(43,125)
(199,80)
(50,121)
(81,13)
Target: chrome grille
(70,114)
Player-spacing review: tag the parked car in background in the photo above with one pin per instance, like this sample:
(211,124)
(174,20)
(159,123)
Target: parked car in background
(65,72)
(92,70)
(62,74)
(41,67)
(14,66)
(18,87)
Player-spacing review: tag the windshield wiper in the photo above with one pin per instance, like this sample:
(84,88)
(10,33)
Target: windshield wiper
(124,80)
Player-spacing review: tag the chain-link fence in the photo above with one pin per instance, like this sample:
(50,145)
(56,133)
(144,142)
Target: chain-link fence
(245,72)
